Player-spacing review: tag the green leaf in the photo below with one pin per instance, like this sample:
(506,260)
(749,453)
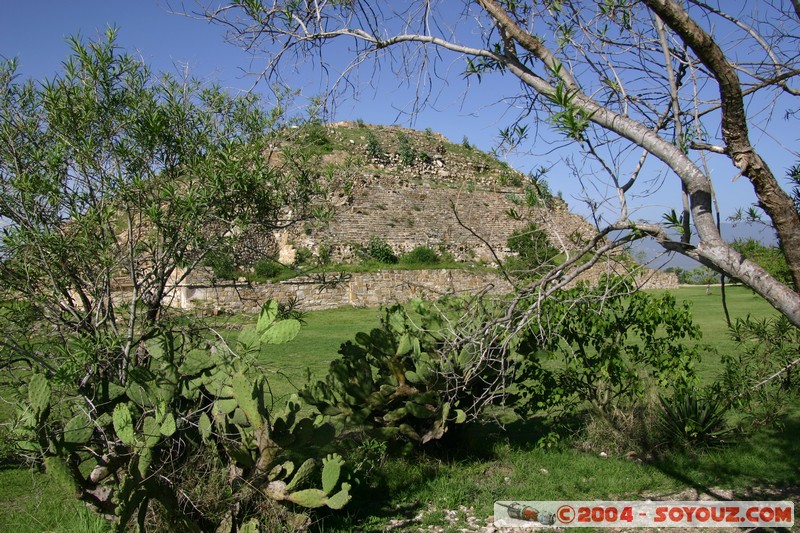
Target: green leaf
(123,424)
(269,311)
(308,498)
(168,426)
(461,416)
(204,425)
(395,415)
(413,377)
(397,321)
(405,345)
(363,339)
(39,394)
(420,411)
(78,430)
(115,391)
(282,332)
(251,526)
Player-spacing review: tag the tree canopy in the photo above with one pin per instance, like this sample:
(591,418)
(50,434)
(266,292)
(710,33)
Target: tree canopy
(115,185)
(686,84)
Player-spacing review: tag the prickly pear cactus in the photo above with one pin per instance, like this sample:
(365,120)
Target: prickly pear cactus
(331,479)
(401,380)
(186,394)
(39,395)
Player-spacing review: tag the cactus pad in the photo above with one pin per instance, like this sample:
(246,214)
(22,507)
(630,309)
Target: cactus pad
(123,424)
(281,332)
(308,498)
(331,470)
(39,394)
(340,499)
(78,430)
(302,475)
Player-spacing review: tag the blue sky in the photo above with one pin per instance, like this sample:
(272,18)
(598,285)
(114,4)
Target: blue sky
(35,32)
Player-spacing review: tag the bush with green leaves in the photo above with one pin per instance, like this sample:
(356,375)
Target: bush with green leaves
(421,255)
(314,137)
(760,378)
(268,268)
(303,256)
(130,444)
(116,185)
(221,264)
(380,250)
(603,347)
(408,155)
(534,253)
(374,149)
(694,418)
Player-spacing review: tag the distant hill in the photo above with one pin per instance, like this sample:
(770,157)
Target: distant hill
(648,252)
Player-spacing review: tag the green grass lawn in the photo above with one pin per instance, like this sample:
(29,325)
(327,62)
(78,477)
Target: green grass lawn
(314,348)
(708,314)
(478,465)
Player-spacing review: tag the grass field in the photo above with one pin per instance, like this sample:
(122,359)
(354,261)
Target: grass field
(457,481)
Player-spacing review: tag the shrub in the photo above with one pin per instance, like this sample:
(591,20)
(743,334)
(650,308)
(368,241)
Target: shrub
(509,178)
(381,251)
(303,255)
(374,148)
(421,255)
(324,253)
(765,345)
(407,153)
(690,418)
(607,343)
(184,403)
(268,268)
(222,265)
(314,137)
(534,252)
(117,395)
(412,380)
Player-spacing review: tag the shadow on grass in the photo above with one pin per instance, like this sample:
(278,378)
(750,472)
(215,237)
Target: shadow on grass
(764,464)
(388,494)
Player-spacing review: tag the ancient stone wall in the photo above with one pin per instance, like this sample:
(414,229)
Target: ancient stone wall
(451,197)
(357,290)
(370,289)
(462,222)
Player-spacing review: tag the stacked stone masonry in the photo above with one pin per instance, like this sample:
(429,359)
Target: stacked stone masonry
(455,200)
(369,289)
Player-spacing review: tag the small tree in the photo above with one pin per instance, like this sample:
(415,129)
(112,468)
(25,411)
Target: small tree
(627,82)
(115,185)
(533,249)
